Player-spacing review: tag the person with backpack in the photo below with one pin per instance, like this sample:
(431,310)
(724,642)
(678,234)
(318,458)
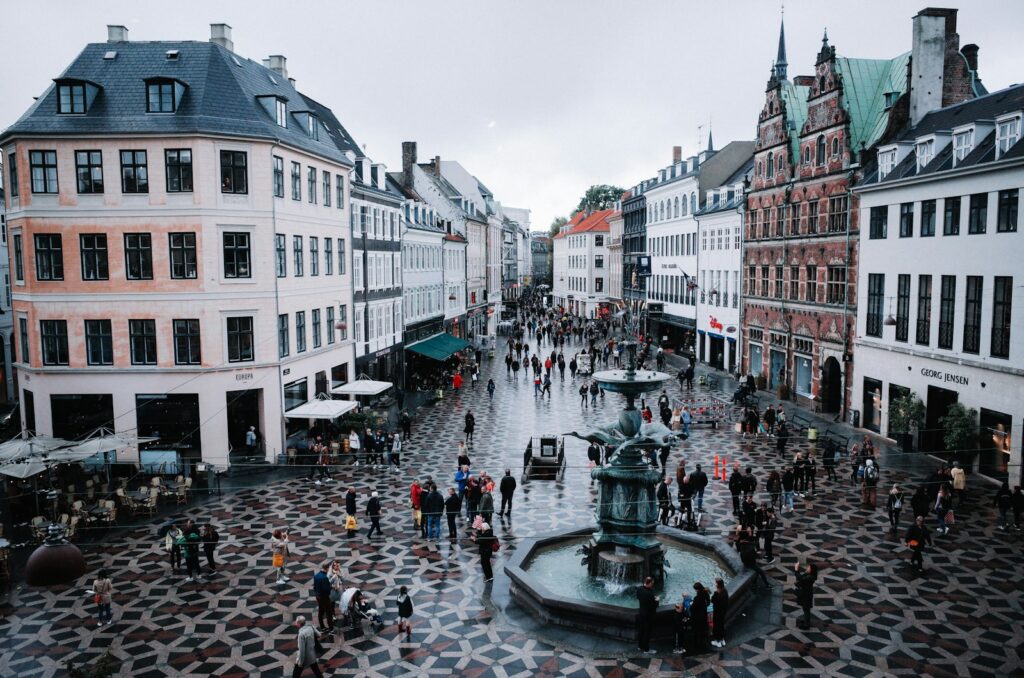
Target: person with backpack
(583,394)
(769,420)
(895,505)
(404,611)
(594,390)
(870,483)
(749,483)
(917,537)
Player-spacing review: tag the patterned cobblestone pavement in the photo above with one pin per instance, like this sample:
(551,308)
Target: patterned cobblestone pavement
(873,615)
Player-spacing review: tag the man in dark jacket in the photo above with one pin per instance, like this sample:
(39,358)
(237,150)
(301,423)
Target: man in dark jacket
(805,578)
(749,483)
(736,488)
(664,498)
(699,480)
(646,614)
(507,487)
(350,501)
(433,507)
(452,506)
(748,512)
(771,523)
(373,511)
(917,537)
(324,604)
(190,549)
(747,547)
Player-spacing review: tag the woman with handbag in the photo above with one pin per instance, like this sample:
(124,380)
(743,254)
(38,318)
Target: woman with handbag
(943,510)
(337,584)
(103,592)
(279,551)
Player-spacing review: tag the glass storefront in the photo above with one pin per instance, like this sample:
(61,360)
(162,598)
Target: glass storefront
(172,418)
(802,383)
(77,415)
(756,360)
(296,393)
(995,443)
(872,405)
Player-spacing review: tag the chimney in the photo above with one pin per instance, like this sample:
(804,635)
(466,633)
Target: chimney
(970,53)
(117,33)
(279,65)
(291,81)
(437,166)
(677,154)
(933,27)
(408,160)
(220,34)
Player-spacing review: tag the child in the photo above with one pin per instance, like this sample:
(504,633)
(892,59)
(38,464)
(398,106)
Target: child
(404,611)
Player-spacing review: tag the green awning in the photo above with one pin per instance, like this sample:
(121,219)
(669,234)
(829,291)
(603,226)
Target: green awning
(439,347)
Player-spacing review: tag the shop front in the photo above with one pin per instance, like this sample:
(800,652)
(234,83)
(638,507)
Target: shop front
(675,334)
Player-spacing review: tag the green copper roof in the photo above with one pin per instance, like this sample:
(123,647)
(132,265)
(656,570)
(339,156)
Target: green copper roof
(865,84)
(795,98)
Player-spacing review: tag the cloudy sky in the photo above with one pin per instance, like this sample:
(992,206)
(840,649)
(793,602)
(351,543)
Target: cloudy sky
(538,98)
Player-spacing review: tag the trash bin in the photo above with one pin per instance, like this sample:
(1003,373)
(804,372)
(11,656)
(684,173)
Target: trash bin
(812,433)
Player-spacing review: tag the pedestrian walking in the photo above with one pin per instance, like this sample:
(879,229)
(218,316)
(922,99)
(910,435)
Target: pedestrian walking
(781,438)
(959,478)
(870,483)
(486,506)
(487,545)
(396,452)
(452,507)
(768,529)
(190,550)
(250,440)
(769,420)
(404,603)
(490,389)
(828,460)
(645,617)
(1003,502)
(373,510)
(324,605)
(507,487)
(806,576)
(406,422)
(473,495)
(210,539)
(686,420)
(306,655)
(736,488)
(1018,506)
(594,390)
(103,595)
(943,510)
(470,426)
(774,487)
(918,536)
(279,552)
(433,507)
(699,480)
(895,505)
(699,617)
(720,603)
(664,498)
(583,395)
(788,485)
(173,547)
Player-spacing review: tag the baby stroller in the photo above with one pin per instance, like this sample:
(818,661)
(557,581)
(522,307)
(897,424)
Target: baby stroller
(355,608)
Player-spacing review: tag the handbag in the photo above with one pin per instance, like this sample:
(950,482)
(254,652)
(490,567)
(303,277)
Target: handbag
(278,560)
(495,545)
(949,517)
(350,522)
(98,599)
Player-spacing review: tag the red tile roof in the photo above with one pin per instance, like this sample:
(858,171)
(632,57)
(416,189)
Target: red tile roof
(454,237)
(594,223)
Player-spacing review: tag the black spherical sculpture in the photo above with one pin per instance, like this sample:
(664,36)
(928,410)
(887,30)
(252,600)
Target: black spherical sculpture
(56,561)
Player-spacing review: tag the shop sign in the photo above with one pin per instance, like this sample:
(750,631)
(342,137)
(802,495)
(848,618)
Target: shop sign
(945,377)
(244,376)
(382,352)
(713,322)
(731,329)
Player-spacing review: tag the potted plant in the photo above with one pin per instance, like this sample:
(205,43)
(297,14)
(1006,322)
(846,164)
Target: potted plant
(906,415)
(960,433)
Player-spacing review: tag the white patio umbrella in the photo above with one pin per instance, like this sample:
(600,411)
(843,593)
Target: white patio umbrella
(103,440)
(20,448)
(22,470)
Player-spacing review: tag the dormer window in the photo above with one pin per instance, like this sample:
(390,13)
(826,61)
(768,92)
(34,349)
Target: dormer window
(1007,134)
(163,96)
(963,144)
(313,127)
(925,153)
(71,98)
(281,110)
(886,162)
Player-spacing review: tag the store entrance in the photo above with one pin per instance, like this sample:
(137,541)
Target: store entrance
(939,402)
(716,357)
(831,385)
(243,409)
(995,442)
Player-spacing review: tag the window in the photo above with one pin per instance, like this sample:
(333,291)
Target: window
(951,218)
(962,145)
(927,218)
(328,256)
(314,255)
(812,216)
(341,257)
(138,256)
(296,181)
(836,291)
(233,172)
(278,177)
(12,173)
(599,284)
(1007,134)
(89,170)
(317,333)
(1006,220)
(283,347)
(599,241)
(902,307)
(23,339)
(924,309)
(598,261)
(19,261)
(71,98)
(879,222)
(764,281)
(837,208)
(312,128)
(99,342)
(142,339)
(178,166)
(972,314)
(53,335)
(49,256)
(876,301)
(947,309)
(907,220)
(134,172)
(925,151)
(342,322)
(780,221)
(240,339)
(1001,312)
(807,155)
(43,167)
(339,186)
(977,214)
(311,184)
(297,256)
(281,112)
(752,280)
(326,176)
(778,282)
(835,146)
(771,165)
(330,325)
(160,97)
(93,249)
(821,150)
(794,283)
(236,255)
(886,163)
(183,255)
(300,331)
(794,220)
(766,218)
(186,342)
(280,256)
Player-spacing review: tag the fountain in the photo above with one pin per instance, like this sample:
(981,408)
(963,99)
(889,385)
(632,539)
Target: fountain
(627,545)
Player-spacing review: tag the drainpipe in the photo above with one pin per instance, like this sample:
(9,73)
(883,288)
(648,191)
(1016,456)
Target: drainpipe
(277,302)
(790,355)
(846,297)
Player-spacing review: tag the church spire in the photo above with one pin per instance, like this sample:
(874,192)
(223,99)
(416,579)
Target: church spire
(711,144)
(780,59)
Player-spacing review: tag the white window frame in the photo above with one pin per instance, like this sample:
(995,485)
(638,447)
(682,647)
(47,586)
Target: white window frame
(963,144)
(886,162)
(1007,133)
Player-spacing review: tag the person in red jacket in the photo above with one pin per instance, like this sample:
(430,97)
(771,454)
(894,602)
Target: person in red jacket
(415,494)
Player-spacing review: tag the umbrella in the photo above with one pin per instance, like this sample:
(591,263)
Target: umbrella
(18,448)
(103,440)
(23,469)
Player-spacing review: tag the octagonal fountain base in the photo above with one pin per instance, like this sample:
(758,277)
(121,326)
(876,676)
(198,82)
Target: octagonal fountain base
(549,580)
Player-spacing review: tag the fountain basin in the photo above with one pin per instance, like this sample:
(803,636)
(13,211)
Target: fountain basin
(548,580)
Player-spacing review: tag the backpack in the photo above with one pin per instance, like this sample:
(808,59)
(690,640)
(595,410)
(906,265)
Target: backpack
(871,473)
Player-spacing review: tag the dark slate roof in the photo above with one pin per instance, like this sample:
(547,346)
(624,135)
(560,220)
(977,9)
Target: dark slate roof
(737,198)
(985,108)
(220,97)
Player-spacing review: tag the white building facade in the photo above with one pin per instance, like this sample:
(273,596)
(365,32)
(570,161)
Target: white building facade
(581,265)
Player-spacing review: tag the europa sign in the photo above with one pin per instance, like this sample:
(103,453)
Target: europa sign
(939,375)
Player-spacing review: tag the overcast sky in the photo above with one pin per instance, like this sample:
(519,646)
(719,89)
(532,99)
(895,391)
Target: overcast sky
(538,98)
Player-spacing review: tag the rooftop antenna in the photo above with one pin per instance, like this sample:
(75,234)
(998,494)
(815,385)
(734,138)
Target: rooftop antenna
(699,137)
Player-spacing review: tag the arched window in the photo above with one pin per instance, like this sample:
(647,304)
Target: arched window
(661,210)
(684,205)
(821,85)
(821,149)
(771,165)
(693,202)
(835,146)
(779,163)
(677,207)
(807,155)
(759,172)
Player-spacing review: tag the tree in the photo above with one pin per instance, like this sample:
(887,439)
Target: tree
(960,432)
(906,414)
(556,225)
(600,197)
